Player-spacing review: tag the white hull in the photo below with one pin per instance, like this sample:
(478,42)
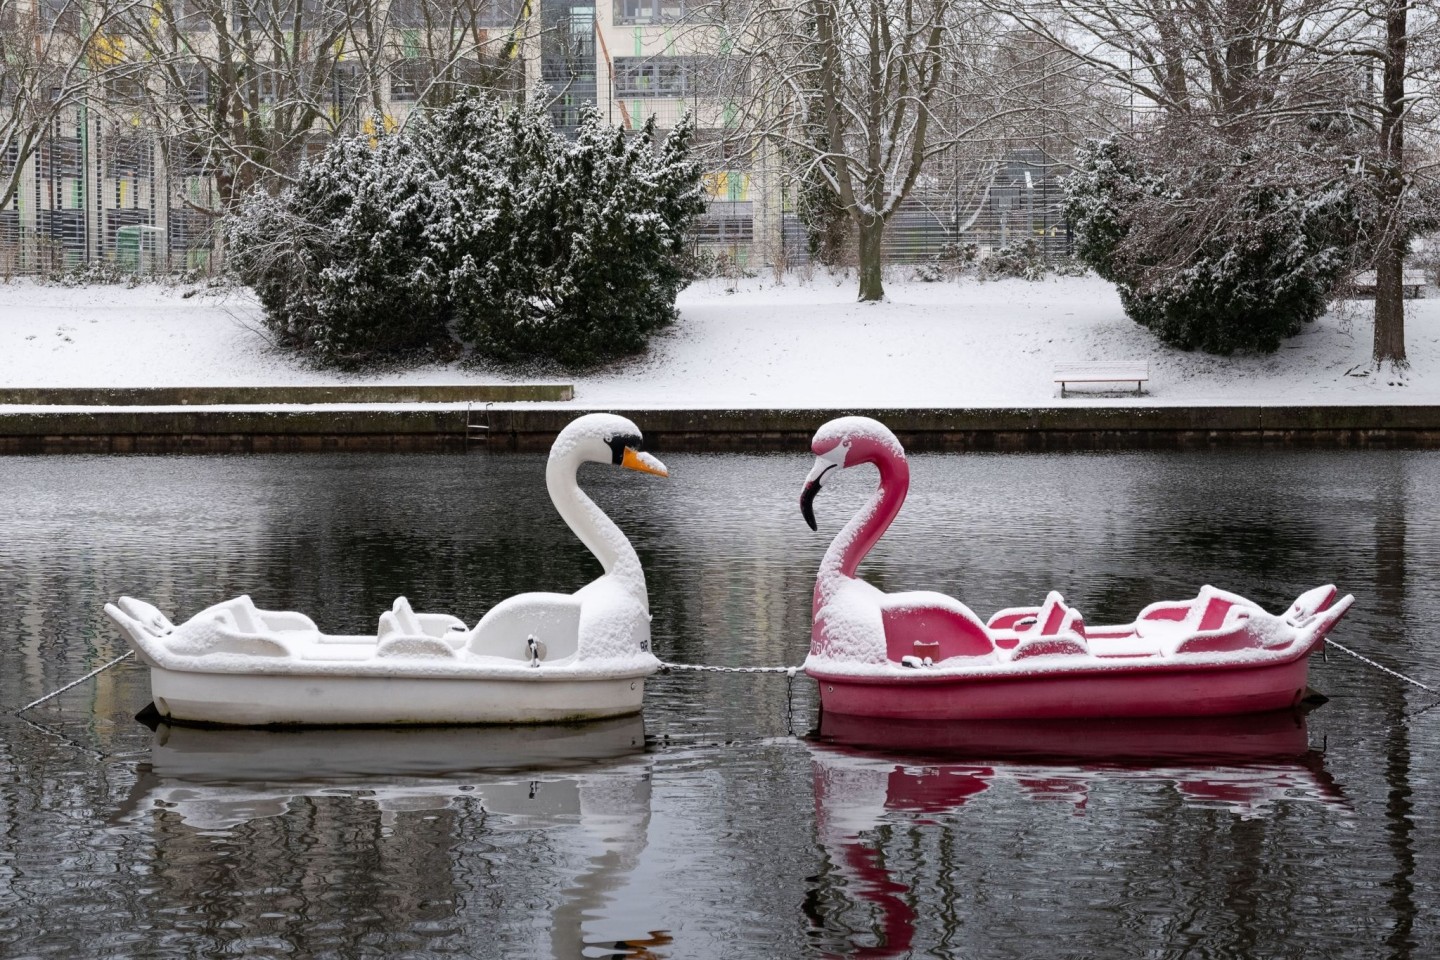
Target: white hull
(254,700)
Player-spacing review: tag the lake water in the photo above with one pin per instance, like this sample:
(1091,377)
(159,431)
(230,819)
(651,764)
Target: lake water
(722,824)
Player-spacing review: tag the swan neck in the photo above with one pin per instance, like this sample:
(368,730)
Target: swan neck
(590,524)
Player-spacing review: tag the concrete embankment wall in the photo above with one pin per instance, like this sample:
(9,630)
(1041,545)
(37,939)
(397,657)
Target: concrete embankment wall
(169,430)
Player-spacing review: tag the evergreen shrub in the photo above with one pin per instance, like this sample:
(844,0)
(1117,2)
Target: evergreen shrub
(1211,251)
(481,229)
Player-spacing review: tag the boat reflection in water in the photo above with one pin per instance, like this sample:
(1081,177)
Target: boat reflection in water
(577,795)
(881,786)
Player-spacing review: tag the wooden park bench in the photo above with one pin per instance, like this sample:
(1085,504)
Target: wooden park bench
(1103,371)
(1412,283)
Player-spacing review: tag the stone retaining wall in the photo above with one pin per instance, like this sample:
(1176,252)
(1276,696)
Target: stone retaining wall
(121,430)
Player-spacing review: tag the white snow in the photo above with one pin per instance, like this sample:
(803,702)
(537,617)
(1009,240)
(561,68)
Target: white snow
(751,343)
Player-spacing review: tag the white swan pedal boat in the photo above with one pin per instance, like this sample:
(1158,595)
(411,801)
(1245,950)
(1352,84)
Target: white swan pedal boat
(533,658)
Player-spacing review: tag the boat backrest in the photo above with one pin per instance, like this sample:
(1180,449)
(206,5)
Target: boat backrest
(399,620)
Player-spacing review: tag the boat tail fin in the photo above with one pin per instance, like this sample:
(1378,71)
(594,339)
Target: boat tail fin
(1323,621)
(138,618)
(1312,602)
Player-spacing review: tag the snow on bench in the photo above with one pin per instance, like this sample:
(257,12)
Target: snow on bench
(1412,283)
(1103,371)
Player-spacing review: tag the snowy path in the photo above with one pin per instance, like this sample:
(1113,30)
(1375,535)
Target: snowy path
(960,344)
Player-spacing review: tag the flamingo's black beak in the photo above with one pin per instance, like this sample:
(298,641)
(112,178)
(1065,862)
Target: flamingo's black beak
(812,487)
(807,503)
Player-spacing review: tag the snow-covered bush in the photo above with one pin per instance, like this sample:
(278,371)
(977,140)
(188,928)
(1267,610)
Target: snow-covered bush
(927,272)
(1019,258)
(482,228)
(1212,250)
(580,252)
(341,261)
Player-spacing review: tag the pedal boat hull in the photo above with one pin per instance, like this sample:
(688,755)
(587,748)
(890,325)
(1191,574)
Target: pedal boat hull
(1217,655)
(1161,691)
(249,700)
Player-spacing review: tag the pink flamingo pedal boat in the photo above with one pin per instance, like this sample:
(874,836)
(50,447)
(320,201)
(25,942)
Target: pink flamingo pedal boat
(921,655)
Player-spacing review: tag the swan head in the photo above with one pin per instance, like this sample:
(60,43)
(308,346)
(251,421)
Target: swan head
(845,442)
(605,438)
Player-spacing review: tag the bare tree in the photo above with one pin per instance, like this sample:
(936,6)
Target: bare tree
(1279,73)
(429,52)
(864,95)
(1406,187)
(242,91)
(51,53)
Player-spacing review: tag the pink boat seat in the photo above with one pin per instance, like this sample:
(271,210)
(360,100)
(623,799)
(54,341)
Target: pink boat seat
(930,629)
(1058,629)
(1211,623)
(1014,618)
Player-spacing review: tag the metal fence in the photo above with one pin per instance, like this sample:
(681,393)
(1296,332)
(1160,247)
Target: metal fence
(98,193)
(1022,201)
(95,193)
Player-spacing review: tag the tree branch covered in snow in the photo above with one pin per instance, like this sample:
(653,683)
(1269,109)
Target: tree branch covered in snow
(870,98)
(52,53)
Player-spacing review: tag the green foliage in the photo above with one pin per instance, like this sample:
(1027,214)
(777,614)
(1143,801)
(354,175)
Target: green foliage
(583,254)
(341,261)
(1212,251)
(483,229)
(1020,258)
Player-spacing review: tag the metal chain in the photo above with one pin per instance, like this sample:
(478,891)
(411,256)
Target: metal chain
(703,668)
(1394,673)
(75,683)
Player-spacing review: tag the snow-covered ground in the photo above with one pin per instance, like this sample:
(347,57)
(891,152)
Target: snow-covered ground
(752,343)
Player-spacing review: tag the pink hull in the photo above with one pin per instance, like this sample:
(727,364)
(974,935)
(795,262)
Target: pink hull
(1194,692)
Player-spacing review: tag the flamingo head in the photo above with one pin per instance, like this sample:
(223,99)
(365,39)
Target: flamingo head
(845,442)
(606,438)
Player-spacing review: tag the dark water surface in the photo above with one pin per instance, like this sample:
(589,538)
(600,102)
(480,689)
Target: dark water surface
(720,825)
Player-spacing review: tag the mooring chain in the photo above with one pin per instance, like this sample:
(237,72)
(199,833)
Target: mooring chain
(75,683)
(1394,673)
(706,668)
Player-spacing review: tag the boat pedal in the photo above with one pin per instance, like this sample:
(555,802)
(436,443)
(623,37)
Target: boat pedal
(916,662)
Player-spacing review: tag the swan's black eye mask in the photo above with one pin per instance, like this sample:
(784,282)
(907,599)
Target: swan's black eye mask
(618,445)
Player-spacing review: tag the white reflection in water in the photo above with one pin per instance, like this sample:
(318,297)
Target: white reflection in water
(587,784)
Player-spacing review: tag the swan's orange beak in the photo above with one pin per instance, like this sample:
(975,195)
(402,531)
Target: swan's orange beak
(635,460)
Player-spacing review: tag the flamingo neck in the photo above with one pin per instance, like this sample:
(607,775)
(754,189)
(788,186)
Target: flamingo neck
(865,528)
(594,529)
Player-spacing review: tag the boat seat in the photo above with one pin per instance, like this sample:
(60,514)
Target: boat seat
(428,648)
(920,623)
(401,620)
(1211,611)
(1014,618)
(1050,619)
(228,630)
(244,616)
(1058,629)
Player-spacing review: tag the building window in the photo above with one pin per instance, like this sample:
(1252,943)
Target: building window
(192,16)
(674,76)
(260,14)
(194,81)
(651,11)
(408,78)
(455,13)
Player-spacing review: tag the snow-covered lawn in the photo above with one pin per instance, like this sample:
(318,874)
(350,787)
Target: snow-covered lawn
(754,343)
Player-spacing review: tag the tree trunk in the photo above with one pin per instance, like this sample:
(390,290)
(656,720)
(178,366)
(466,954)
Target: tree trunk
(1390,299)
(872,236)
(1394,233)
